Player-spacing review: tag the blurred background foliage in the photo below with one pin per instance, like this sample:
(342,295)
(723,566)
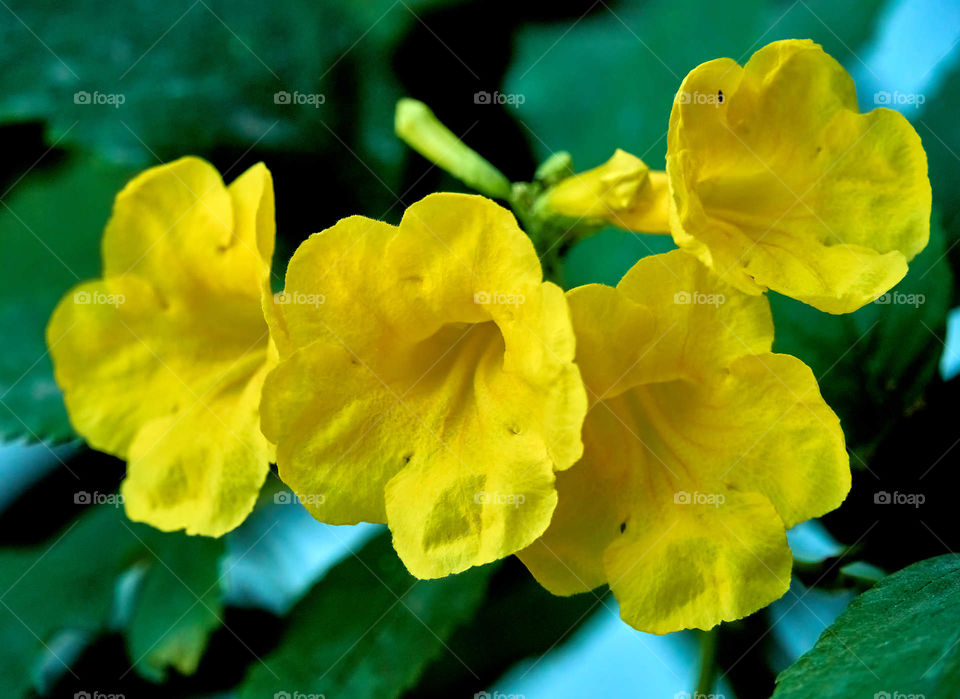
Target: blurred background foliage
(91,601)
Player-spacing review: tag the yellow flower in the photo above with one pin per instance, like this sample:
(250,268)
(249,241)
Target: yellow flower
(777,181)
(163,359)
(427,381)
(700,448)
(623,191)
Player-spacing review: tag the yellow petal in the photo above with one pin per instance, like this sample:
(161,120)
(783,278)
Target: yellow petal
(162,360)
(594,501)
(429,364)
(622,191)
(613,333)
(693,565)
(698,406)
(701,322)
(201,468)
(338,432)
(783,184)
(448,512)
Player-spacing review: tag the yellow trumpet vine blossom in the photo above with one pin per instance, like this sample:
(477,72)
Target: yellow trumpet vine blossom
(162,360)
(701,447)
(426,381)
(623,191)
(776,181)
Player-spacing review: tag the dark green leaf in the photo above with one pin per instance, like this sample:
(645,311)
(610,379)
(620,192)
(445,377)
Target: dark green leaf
(178,603)
(67,583)
(180,77)
(605,257)
(939,130)
(367,630)
(50,227)
(621,96)
(899,637)
(874,364)
(538,622)
(66,588)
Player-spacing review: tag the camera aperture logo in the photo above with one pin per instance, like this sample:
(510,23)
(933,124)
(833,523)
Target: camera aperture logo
(897,298)
(285,497)
(682,497)
(484,97)
(112,99)
(698,298)
(98,298)
(897,498)
(714,99)
(82,497)
(498,298)
(296,298)
(512,499)
(899,99)
(313,99)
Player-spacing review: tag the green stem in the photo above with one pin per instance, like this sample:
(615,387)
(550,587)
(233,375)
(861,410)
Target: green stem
(708,662)
(551,234)
(422,131)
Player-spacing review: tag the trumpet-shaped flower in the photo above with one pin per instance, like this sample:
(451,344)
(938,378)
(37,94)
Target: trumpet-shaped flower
(623,191)
(427,381)
(700,448)
(163,359)
(778,181)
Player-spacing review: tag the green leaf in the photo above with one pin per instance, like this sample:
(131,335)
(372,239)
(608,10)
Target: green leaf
(902,636)
(526,621)
(939,130)
(50,227)
(874,364)
(69,584)
(605,257)
(181,77)
(178,603)
(367,629)
(64,584)
(621,96)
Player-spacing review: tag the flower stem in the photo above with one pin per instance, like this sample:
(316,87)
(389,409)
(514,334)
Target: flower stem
(708,663)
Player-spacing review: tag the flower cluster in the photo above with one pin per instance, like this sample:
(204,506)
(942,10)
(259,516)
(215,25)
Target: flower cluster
(426,376)
(779,182)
